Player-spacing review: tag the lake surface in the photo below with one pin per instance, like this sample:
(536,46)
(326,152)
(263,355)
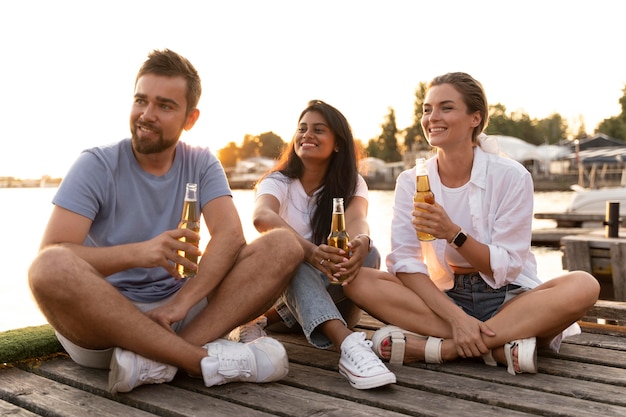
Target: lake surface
(24,213)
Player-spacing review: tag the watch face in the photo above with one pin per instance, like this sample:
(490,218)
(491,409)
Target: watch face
(460,239)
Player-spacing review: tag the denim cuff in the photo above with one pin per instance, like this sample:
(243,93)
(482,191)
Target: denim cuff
(285,314)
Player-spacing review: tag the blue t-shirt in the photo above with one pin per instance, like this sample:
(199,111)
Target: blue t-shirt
(127,204)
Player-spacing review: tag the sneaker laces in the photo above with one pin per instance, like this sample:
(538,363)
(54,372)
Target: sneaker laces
(361,355)
(235,367)
(154,372)
(233,363)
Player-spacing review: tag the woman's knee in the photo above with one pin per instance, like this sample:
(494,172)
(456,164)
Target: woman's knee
(587,285)
(364,282)
(580,288)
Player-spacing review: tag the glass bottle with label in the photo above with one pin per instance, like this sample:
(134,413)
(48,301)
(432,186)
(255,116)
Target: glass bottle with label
(423,194)
(190,219)
(338,236)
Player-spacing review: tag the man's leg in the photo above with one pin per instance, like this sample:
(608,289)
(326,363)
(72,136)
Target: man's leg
(87,310)
(263,270)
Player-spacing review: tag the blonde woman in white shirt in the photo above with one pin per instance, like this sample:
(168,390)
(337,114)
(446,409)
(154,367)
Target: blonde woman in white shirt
(473,291)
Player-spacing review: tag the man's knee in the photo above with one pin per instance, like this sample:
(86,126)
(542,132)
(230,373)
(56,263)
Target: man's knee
(283,242)
(51,262)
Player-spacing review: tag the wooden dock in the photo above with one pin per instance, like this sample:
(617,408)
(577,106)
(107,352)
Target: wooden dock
(576,219)
(587,378)
(567,224)
(601,256)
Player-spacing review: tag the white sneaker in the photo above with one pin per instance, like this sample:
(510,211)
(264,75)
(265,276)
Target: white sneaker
(249,331)
(129,370)
(263,360)
(360,365)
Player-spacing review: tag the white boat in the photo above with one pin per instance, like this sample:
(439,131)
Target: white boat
(594,201)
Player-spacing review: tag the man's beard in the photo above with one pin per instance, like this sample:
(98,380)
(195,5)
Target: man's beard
(147,146)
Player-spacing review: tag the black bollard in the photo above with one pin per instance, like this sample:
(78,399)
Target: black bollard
(612,219)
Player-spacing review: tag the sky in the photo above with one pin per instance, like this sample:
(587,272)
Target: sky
(68,67)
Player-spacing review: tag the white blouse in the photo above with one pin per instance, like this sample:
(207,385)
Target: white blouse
(500,209)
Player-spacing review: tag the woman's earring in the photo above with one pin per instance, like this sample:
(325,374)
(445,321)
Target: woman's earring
(337,149)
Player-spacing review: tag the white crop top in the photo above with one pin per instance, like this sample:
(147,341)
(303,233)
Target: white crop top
(456,203)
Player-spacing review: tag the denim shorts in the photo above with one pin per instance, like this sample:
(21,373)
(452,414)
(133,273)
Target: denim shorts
(477,298)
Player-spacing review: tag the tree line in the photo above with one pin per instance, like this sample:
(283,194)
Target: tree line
(393,142)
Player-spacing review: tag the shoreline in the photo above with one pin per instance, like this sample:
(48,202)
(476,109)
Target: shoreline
(34,204)
(552,183)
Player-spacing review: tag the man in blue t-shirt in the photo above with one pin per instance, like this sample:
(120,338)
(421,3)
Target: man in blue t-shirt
(106,277)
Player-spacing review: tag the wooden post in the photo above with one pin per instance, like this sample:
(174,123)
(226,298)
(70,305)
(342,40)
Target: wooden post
(618,266)
(576,255)
(600,256)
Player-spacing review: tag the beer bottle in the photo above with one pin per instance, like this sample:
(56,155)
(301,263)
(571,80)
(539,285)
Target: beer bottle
(190,219)
(422,192)
(338,236)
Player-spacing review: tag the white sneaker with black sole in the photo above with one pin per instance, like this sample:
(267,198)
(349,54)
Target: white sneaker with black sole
(360,365)
(129,370)
(263,360)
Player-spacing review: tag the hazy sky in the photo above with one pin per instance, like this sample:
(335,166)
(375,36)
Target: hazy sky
(68,67)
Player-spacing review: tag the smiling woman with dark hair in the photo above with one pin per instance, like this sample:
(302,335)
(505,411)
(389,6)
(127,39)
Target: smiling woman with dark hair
(317,166)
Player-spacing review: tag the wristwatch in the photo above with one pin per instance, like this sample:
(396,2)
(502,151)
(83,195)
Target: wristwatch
(459,239)
(369,240)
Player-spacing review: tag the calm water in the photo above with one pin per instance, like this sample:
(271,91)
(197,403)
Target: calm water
(24,213)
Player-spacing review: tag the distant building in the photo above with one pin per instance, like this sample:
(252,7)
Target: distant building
(248,171)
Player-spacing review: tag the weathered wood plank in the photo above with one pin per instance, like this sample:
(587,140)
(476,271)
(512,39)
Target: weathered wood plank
(284,399)
(8,409)
(555,376)
(513,396)
(610,310)
(510,395)
(587,378)
(618,269)
(46,397)
(415,402)
(155,399)
(570,219)
(589,354)
(576,255)
(599,255)
(614,379)
(602,340)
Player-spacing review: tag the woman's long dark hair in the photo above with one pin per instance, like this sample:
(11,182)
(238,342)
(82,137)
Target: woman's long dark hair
(342,174)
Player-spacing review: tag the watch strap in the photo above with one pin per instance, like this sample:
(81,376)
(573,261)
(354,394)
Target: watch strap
(459,239)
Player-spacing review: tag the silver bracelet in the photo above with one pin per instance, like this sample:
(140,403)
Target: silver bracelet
(370,243)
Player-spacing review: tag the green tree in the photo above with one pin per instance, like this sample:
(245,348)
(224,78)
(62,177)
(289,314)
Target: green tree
(249,147)
(270,145)
(228,155)
(414,134)
(387,143)
(526,128)
(520,125)
(615,126)
(499,122)
(552,128)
